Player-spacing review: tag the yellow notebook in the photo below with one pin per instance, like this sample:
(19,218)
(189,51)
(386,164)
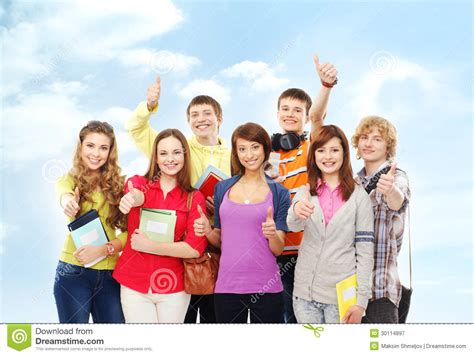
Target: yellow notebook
(346,294)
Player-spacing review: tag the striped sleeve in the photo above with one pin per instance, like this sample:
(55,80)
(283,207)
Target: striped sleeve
(364,243)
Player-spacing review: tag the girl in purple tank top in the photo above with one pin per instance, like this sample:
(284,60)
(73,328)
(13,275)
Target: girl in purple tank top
(250,227)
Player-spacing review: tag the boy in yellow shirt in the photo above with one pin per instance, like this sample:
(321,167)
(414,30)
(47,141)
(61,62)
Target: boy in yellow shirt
(204,116)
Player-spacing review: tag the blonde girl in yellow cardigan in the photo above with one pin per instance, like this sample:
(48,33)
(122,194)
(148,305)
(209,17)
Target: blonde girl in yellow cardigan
(94,182)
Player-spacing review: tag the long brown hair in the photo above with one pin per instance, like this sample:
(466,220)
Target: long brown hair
(109,180)
(250,132)
(184,175)
(323,135)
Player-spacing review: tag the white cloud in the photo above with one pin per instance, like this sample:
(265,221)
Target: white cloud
(433,224)
(44,126)
(465,291)
(137,166)
(5,230)
(386,69)
(161,62)
(117,116)
(260,75)
(206,87)
(40,125)
(87,31)
(68,88)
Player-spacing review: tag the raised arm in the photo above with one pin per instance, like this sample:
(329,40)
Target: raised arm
(328,75)
(138,125)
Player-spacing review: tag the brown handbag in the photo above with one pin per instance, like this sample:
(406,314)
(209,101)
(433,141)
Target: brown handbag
(200,274)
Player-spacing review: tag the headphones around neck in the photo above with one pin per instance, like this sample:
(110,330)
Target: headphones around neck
(288,141)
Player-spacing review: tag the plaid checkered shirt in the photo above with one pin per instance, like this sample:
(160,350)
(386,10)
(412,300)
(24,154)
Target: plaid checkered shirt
(388,227)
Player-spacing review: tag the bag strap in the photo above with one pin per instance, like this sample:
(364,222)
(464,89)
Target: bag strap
(189,203)
(409,244)
(372,184)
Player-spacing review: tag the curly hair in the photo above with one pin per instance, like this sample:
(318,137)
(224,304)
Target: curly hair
(386,128)
(109,180)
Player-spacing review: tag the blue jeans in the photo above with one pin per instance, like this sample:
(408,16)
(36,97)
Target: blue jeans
(287,265)
(80,292)
(314,312)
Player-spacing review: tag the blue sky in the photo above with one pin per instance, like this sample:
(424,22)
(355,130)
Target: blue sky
(65,63)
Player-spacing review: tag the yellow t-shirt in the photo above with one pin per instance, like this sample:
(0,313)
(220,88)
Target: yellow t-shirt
(66,185)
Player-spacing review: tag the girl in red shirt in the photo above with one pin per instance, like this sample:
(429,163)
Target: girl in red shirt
(151,272)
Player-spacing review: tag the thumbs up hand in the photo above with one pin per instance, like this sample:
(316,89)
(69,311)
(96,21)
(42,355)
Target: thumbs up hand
(386,183)
(71,205)
(326,71)
(304,208)
(153,94)
(268,226)
(133,198)
(202,227)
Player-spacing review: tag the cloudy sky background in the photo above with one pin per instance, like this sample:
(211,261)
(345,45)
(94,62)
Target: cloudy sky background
(65,63)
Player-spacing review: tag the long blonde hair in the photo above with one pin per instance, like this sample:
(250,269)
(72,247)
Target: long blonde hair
(109,180)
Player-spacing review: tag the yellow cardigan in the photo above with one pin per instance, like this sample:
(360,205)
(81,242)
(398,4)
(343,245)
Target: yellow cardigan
(66,185)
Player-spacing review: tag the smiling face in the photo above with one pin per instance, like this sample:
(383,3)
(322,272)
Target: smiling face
(170,156)
(329,157)
(372,147)
(292,115)
(95,150)
(250,153)
(203,121)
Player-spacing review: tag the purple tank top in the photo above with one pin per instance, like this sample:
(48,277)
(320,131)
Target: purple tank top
(247,264)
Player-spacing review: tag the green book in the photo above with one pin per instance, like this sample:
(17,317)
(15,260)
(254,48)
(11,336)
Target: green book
(158,224)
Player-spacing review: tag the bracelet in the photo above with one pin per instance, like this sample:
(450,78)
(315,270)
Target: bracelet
(110,249)
(329,85)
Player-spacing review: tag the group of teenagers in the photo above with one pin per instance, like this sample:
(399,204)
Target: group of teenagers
(286,239)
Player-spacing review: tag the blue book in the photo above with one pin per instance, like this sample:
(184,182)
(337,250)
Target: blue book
(86,230)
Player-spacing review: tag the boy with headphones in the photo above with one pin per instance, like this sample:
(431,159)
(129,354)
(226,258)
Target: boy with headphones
(295,109)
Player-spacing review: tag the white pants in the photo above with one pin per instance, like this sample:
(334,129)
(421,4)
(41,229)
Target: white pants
(153,307)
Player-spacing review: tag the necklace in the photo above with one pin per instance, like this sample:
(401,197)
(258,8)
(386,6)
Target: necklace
(248,196)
